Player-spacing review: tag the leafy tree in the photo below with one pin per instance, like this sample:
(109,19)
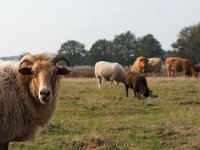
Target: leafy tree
(170,53)
(123,47)
(75,52)
(188,43)
(148,46)
(99,51)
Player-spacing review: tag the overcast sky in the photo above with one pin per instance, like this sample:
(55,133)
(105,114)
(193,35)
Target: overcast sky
(43,25)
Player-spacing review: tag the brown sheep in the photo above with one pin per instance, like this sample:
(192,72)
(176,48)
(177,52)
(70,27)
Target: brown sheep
(140,65)
(138,83)
(28,97)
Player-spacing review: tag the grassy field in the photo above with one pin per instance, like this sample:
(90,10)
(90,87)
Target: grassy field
(89,118)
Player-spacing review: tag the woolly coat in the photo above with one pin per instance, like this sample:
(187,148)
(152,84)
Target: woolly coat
(110,71)
(154,65)
(140,65)
(137,82)
(20,115)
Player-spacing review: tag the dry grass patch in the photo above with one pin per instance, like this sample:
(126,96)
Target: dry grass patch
(92,142)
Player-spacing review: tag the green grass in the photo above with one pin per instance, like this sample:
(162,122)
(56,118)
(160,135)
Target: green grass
(89,118)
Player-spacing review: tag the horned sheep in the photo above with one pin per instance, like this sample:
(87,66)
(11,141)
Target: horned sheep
(28,94)
(109,72)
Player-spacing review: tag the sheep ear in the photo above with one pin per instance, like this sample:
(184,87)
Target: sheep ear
(64,71)
(26,70)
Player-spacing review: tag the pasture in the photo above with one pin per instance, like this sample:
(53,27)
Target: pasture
(89,118)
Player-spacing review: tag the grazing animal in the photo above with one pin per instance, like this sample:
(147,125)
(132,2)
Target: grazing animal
(140,65)
(154,65)
(28,92)
(176,64)
(109,72)
(138,83)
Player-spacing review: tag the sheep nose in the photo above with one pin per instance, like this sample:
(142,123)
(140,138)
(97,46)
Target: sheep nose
(45,93)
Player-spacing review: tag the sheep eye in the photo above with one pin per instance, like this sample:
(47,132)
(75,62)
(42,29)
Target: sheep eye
(55,74)
(35,75)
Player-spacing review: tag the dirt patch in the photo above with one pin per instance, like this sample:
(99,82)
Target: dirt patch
(189,103)
(150,104)
(87,143)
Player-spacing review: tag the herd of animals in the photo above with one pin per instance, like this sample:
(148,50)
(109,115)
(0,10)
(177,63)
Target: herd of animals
(28,89)
(136,77)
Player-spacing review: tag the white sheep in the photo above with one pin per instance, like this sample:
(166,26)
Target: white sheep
(154,65)
(109,72)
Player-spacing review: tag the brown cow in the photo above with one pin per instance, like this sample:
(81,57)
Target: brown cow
(140,65)
(176,64)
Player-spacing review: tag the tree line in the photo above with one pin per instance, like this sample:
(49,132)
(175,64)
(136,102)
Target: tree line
(126,47)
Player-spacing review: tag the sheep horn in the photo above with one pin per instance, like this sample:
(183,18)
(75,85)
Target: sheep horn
(29,58)
(59,57)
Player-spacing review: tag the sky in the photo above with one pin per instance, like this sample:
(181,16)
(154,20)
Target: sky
(37,26)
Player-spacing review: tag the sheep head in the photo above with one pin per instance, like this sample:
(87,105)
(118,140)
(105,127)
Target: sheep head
(44,76)
(142,64)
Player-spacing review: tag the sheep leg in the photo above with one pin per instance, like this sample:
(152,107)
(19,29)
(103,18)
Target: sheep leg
(4,146)
(169,73)
(173,74)
(99,82)
(111,83)
(138,95)
(185,74)
(126,86)
(117,84)
(135,93)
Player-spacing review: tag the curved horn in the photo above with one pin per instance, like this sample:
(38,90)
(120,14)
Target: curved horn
(59,57)
(30,58)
